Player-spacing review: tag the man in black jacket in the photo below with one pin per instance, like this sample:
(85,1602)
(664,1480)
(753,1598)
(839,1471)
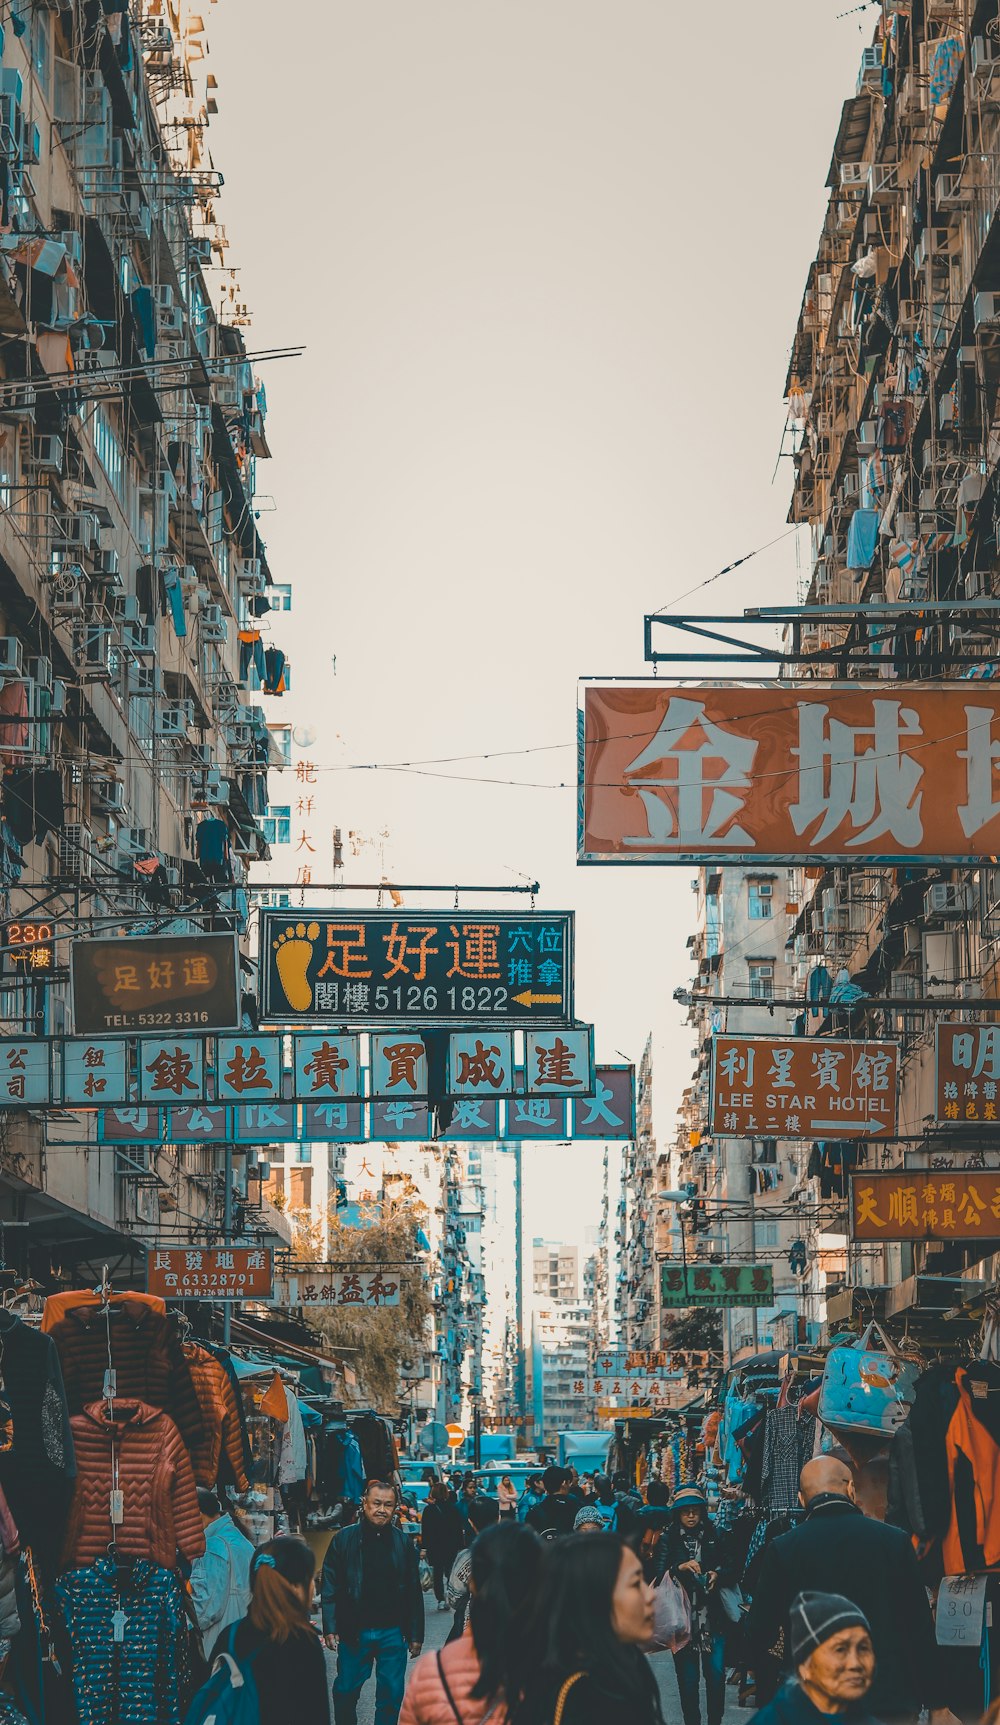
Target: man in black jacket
(373,1607)
(556,1512)
(838,1550)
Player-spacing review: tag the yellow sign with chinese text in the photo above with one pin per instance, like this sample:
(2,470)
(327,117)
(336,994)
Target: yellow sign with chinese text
(936,1204)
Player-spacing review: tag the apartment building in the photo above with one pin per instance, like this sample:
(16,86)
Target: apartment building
(893,433)
(559,1361)
(638,1273)
(751,1193)
(555,1270)
(137,657)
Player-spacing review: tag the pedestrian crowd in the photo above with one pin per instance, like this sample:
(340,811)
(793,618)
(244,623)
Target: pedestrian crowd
(553,1626)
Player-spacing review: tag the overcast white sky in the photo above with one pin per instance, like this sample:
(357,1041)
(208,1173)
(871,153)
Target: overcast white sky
(546,258)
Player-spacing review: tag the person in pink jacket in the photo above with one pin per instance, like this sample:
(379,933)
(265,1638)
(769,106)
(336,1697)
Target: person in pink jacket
(469,1679)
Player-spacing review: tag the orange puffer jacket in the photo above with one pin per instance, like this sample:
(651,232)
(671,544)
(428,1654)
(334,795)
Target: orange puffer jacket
(426,1700)
(221,1438)
(160,1504)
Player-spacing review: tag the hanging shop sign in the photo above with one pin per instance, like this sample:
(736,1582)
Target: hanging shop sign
(481,1065)
(155,982)
(327,1068)
(210,1272)
(94,1071)
(652,1363)
(29,947)
(931,1205)
(559,1062)
(966,1072)
(745,773)
(802,1087)
(716,1285)
(615,1413)
(360,970)
(608,1114)
(337,1290)
(25,1073)
(633,1389)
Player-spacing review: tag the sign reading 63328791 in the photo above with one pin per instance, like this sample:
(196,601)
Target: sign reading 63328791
(489,968)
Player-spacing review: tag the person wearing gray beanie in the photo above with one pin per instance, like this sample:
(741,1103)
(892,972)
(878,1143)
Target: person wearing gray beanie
(589,1520)
(831,1649)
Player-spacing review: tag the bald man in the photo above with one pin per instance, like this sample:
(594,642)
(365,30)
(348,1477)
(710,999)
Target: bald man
(836,1549)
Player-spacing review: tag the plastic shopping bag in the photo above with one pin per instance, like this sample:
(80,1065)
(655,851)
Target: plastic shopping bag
(671,1617)
(426,1575)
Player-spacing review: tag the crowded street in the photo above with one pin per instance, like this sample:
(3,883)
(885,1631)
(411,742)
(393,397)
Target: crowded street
(499,862)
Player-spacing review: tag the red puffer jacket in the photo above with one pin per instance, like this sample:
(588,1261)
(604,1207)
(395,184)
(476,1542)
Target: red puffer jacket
(426,1699)
(145,1351)
(221,1439)
(160,1511)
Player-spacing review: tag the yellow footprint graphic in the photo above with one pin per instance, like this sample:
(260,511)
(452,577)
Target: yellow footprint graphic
(294,950)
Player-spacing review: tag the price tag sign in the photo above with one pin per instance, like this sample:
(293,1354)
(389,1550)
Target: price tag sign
(960,1607)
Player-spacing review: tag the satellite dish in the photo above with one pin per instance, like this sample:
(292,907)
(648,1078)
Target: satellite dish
(433,1440)
(304,736)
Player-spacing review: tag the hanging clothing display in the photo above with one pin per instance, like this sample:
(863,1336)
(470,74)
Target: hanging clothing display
(135,1450)
(145,1352)
(38,1468)
(218,1453)
(142,1677)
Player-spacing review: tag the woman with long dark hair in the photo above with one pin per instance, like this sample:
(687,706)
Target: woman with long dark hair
(288,1665)
(442,1535)
(481,1672)
(585,1666)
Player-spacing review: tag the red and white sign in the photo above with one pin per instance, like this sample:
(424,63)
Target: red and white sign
(210,1272)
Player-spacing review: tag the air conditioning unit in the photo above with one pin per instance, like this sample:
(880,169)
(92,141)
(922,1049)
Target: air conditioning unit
(214,794)
(134,841)
(946,901)
(106,565)
(125,608)
(940,965)
(11,657)
(850,487)
(871,68)
(847,215)
(913,940)
(978,584)
(137,213)
(170,322)
(173,722)
(78,531)
(47,454)
(854,173)
(951,192)
(108,794)
(986,309)
(866,434)
(213,624)
(40,671)
(140,640)
(11,125)
(76,853)
(908,316)
(984,61)
(141,680)
(883,183)
(58,699)
(202,754)
(237,736)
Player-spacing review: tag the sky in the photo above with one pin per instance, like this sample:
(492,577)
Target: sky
(545,258)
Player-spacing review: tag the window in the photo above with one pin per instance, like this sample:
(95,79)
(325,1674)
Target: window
(280,596)
(281,737)
(761,972)
(277,825)
(41,36)
(766,1234)
(759,899)
(108,449)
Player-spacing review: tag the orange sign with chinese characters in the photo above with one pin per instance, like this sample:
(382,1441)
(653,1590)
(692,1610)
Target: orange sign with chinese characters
(155,982)
(771,773)
(210,1272)
(967,1073)
(802,1087)
(934,1204)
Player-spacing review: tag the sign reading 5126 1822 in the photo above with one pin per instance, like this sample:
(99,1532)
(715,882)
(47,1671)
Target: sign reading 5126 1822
(465,969)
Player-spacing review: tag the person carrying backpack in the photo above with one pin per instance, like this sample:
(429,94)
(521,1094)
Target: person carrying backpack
(272,1658)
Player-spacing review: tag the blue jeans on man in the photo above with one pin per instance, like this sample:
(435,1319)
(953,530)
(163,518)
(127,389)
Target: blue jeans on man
(712,1661)
(387,1651)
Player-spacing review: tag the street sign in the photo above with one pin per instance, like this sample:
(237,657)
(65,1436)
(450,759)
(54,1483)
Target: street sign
(337,1290)
(934,1204)
(966,1072)
(29,947)
(802,1087)
(163,982)
(25,1075)
(359,970)
(456,1436)
(716,1285)
(210,1272)
(94,1072)
(767,773)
